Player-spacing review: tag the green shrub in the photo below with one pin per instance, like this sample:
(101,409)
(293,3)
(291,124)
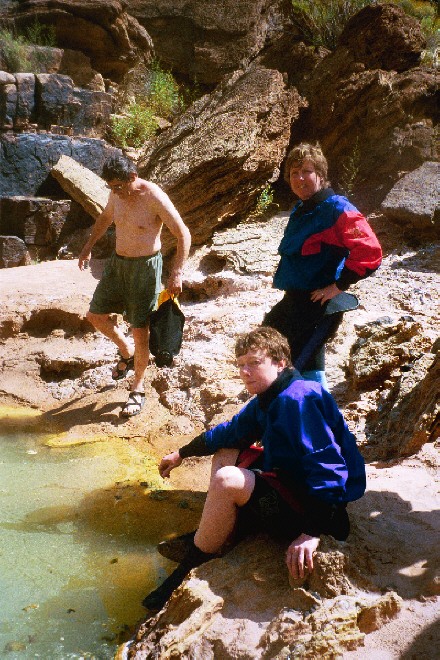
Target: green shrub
(322,21)
(264,201)
(40,35)
(147,93)
(17,48)
(163,96)
(134,127)
(14,50)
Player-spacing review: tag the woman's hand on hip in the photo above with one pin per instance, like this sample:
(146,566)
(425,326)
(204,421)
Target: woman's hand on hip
(327,293)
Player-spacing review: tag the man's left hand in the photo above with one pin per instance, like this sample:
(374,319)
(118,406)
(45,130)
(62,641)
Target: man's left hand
(174,284)
(327,293)
(299,556)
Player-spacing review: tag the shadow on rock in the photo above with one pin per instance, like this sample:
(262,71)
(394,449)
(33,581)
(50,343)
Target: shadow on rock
(395,545)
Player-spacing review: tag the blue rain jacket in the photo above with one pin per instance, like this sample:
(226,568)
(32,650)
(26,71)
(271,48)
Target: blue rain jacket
(304,437)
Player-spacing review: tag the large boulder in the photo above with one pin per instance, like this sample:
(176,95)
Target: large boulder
(371,31)
(13,252)
(101,29)
(408,418)
(215,160)
(206,40)
(414,200)
(383,348)
(26,160)
(373,116)
(83,185)
(242,606)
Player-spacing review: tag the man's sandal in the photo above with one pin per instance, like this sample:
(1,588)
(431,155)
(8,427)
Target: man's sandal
(136,401)
(123,366)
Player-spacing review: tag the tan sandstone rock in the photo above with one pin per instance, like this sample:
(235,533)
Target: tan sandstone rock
(87,188)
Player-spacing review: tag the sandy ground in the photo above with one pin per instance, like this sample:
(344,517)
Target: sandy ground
(42,320)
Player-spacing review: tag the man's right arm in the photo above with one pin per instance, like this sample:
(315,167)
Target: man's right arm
(101,225)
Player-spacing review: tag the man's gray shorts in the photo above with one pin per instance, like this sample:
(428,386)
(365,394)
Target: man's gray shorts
(129,286)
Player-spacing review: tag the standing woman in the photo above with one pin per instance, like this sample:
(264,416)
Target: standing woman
(327,246)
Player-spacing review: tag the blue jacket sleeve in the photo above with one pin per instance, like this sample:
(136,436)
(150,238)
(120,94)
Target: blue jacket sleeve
(240,432)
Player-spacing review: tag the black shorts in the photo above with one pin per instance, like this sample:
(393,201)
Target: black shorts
(266,511)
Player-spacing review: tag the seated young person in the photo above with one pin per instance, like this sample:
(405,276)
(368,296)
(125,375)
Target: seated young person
(295,486)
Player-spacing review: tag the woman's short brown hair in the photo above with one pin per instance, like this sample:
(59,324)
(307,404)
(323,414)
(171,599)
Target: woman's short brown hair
(305,151)
(266,339)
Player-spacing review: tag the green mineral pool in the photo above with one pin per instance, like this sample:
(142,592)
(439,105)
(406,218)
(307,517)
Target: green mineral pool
(78,533)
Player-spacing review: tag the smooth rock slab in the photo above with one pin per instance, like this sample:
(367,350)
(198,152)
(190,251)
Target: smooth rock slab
(415,199)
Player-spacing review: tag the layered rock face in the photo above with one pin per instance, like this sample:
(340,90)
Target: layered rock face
(224,148)
(46,99)
(33,206)
(102,30)
(372,109)
(207,40)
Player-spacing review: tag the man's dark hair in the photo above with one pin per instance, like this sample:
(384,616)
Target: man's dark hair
(118,167)
(266,339)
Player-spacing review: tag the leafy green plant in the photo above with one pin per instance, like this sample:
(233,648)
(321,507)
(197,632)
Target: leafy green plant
(17,50)
(147,94)
(41,35)
(264,200)
(134,127)
(163,96)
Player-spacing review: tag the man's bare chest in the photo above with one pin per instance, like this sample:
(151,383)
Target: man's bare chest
(136,218)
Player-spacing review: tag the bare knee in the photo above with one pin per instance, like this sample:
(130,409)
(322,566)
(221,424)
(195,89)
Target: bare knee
(227,479)
(233,484)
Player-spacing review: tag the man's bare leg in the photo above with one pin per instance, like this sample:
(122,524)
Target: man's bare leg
(104,324)
(141,359)
(229,488)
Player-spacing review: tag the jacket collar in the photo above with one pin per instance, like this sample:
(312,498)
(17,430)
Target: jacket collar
(281,383)
(309,204)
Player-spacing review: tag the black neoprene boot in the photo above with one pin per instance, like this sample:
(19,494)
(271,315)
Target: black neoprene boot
(176,549)
(194,557)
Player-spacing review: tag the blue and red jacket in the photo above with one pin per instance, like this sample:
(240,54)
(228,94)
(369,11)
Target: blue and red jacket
(326,240)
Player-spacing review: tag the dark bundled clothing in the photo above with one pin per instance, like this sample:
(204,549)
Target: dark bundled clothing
(297,317)
(307,446)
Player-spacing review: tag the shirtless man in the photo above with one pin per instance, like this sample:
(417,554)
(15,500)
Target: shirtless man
(131,280)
